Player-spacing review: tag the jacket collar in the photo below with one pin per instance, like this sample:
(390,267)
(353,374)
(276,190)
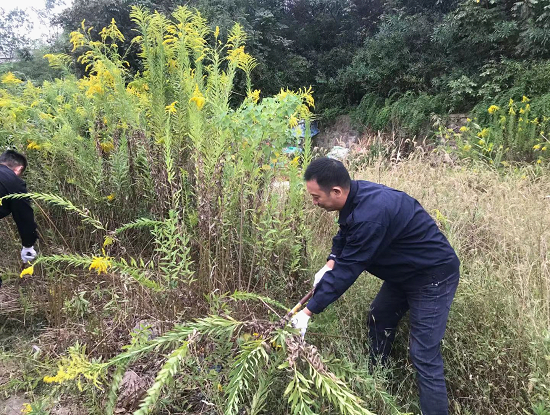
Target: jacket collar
(7,169)
(348,206)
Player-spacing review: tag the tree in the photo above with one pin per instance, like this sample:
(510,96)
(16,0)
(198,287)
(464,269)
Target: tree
(13,26)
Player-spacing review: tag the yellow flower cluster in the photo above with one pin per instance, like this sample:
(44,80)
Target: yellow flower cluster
(10,79)
(107,146)
(254,95)
(483,133)
(75,366)
(293,121)
(198,98)
(77,39)
(111,32)
(27,271)
(100,264)
(33,145)
(171,109)
(492,109)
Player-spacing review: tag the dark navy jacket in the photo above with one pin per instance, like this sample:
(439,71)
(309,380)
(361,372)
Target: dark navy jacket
(387,233)
(20,209)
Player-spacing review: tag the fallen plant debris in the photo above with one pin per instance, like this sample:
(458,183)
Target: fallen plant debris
(246,357)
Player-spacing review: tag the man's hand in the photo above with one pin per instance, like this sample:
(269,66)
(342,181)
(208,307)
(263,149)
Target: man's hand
(300,321)
(28,254)
(321,272)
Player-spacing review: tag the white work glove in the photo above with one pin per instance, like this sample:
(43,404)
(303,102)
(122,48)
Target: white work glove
(320,274)
(28,254)
(299,321)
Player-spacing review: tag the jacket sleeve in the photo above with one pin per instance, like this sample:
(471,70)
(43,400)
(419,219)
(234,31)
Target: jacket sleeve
(361,246)
(337,245)
(23,215)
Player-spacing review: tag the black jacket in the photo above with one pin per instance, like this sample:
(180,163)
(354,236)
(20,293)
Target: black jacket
(20,209)
(387,233)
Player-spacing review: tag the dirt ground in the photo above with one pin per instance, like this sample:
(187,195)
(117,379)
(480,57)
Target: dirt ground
(12,405)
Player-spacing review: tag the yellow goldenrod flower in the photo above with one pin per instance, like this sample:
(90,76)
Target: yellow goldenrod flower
(525,99)
(539,161)
(293,121)
(492,109)
(107,146)
(481,142)
(198,98)
(282,95)
(543,149)
(111,197)
(255,95)
(521,110)
(171,109)
(77,39)
(511,111)
(172,64)
(27,408)
(109,240)
(27,271)
(33,145)
(217,32)
(483,133)
(100,264)
(10,79)
(468,120)
(266,167)
(467,147)
(295,161)
(235,55)
(511,102)
(536,146)
(463,129)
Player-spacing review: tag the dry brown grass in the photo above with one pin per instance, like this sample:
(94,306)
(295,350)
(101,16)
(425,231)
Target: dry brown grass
(498,222)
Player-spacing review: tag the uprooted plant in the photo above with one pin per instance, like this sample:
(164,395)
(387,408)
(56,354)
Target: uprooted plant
(265,363)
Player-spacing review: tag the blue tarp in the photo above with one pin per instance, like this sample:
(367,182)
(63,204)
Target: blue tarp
(301,129)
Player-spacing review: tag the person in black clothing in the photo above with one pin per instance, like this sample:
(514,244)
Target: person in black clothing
(387,233)
(12,166)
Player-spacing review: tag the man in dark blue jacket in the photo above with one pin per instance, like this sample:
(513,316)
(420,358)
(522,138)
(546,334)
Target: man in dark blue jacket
(12,166)
(387,233)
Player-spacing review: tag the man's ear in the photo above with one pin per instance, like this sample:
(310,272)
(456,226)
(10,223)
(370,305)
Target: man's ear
(18,170)
(337,191)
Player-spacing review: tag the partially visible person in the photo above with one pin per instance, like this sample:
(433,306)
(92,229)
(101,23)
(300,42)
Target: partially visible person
(12,166)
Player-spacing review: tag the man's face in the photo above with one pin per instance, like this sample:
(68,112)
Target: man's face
(329,201)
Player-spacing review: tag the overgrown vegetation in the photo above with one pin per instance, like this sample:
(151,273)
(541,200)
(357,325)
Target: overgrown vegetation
(163,187)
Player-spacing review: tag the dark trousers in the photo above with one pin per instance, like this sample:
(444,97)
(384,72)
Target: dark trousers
(429,307)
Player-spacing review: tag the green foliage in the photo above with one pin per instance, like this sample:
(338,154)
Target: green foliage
(167,372)
(251,355)
(511,133)
(405,115)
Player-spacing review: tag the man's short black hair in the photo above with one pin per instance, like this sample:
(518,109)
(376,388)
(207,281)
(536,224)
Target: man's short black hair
(328,173)
(13,159)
